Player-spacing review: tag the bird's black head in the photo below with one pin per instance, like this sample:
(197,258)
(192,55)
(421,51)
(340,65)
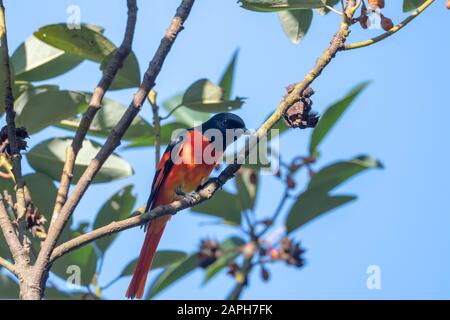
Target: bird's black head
(226,123)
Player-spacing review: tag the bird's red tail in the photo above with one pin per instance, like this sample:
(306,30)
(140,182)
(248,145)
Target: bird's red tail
(154,233)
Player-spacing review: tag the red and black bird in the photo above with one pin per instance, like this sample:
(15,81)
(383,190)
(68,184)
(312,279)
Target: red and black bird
(191,168)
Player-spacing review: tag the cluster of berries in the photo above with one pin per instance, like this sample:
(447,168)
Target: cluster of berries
(299,115)
(21,135)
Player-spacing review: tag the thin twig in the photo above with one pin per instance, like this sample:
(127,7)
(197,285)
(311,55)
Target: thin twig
(95,104)
(116,135)
(12,240)
(10,120)
(389,33)
(277,213)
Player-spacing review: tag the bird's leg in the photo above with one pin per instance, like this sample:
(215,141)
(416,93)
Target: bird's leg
(180,193)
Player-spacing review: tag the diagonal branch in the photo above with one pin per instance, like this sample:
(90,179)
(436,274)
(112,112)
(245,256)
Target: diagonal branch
(228,173)
(113,141)
(95,103)
(10,235)
(11,125)
(7,265)
(389,33)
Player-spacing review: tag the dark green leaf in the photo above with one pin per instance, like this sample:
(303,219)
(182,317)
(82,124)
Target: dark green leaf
(173,274)
(331,116)
(84,258)
(223,205)
(34,60)
(295,23)
(163,259)
(205,96)
(184,115)
(105,120)
(37,109)
(128,76)
(247,181)
(117,208)
(409,5)
(20,86)
(4,250)
(9,289)
(84,42)
(230,247)
(48,157)
(43,192)
(278,5)
(333,175)
(167,132)
(310,205)
(226,82)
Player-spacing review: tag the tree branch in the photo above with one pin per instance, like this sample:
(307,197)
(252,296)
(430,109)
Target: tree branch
(116,135)
(95,104)
(10,120)
(389,33)
(215,184)
(12,240)
(8,266)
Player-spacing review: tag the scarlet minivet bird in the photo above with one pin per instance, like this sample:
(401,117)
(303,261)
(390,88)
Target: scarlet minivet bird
(184,166)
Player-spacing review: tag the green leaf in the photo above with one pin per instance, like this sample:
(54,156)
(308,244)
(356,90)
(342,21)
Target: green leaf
(310,205)
(34,60)
(227,79)
(163,259)
(43,192)
(128,76)
(278,5)
(38,108)
(230,247)
(331,116)
(48,157)
(106,119)
(167,131)
(247,181)
(20,86)
(223,205)
(296,23)
(205,96)
(83,258)
(333,175)
(84,42)
(9,289)
(409,5)
(184,115)
(173,274)
(117,208)
(4,250)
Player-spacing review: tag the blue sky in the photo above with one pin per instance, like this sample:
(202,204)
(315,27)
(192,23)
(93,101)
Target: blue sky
(401,219)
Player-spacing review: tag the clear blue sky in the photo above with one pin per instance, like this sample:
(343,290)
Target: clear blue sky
(401,220)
